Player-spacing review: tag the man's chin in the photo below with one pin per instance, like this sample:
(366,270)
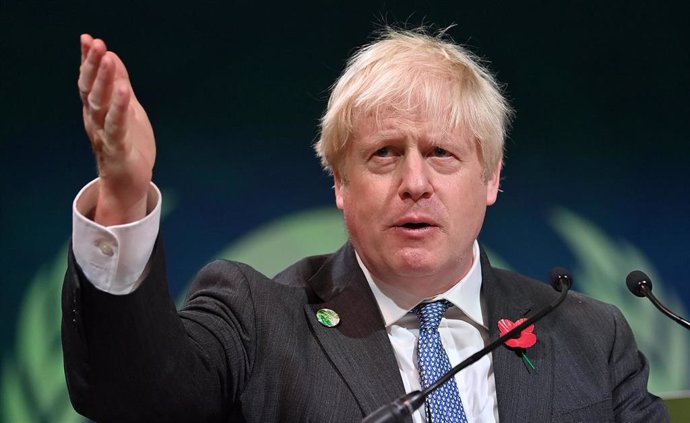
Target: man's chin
(414,262)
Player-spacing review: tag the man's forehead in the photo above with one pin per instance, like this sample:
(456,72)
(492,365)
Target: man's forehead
(400,124)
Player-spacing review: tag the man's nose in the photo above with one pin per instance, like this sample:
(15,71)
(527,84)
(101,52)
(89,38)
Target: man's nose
(414,181)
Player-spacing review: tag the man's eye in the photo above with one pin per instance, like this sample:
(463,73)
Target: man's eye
(383,152)
(440,152)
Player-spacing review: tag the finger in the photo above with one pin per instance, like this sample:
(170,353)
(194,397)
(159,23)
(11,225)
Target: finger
(99,96)
(88,69)
(88,125)
(115,120)
(120,69)
(85,41)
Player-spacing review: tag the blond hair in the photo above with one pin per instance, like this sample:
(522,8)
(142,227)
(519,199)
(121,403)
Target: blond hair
(406,70)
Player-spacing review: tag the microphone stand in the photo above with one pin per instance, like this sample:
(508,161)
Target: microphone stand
(647,292)
(404,406)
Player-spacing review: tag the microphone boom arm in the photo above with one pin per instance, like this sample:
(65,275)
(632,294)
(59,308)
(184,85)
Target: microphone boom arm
(648,293)
(515,332)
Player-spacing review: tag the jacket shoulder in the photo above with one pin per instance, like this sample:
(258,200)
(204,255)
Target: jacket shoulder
(298,273)
(542,293)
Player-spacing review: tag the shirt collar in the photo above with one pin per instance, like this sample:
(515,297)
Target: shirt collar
(394,302)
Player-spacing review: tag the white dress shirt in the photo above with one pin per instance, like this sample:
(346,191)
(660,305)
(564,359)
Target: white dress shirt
(462,331)
(115,260)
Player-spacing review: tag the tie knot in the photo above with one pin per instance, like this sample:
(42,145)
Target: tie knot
(430,314)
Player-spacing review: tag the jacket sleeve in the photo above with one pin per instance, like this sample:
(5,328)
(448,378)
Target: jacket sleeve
(135,358)
(630,372)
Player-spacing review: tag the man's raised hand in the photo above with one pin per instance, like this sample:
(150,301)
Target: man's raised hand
(120,133)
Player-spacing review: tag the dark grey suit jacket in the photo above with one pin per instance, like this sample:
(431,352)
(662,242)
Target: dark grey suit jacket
(245,348)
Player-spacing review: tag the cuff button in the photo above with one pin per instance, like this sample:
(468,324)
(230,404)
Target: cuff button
(106,248)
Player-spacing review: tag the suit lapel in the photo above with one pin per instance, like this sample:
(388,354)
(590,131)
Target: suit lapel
(519,389)
(358,346)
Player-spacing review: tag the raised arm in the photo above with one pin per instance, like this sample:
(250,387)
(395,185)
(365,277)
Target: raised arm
(120,133)
(129,356)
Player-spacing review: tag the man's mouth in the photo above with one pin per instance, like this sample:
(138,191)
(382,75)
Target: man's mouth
(416,225)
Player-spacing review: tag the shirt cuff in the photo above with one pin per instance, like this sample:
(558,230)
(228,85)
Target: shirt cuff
(114,258)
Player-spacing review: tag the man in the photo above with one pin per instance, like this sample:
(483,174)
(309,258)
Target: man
(413,135)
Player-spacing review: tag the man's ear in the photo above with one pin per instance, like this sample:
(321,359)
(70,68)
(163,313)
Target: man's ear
(338,187)
(493,184)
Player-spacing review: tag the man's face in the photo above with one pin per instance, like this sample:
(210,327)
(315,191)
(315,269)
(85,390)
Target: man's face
(414,198)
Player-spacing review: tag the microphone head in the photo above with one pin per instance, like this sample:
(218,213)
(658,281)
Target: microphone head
(560,278)
(638,282)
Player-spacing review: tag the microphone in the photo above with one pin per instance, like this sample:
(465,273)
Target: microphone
(641,285)
(403,407)
(560,279)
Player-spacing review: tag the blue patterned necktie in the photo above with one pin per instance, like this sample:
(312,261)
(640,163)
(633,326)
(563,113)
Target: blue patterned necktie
(444,404)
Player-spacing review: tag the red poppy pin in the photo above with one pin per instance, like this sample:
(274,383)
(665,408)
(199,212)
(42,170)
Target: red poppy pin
(526,339)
